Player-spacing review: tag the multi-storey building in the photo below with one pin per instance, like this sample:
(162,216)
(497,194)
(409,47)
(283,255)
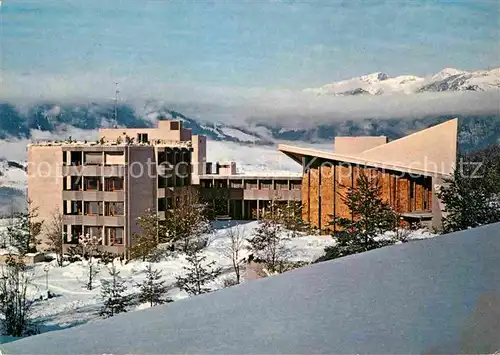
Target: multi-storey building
(101,188)
(246,196)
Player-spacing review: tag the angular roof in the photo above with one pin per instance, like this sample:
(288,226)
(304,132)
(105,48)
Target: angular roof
(429,152)
(439,295)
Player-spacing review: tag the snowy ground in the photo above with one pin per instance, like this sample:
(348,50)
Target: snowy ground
(74,304)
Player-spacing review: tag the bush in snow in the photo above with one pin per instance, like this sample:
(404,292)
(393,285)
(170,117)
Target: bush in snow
(371,217)
(113,294)
(153,289)
(198,274)
(16,306)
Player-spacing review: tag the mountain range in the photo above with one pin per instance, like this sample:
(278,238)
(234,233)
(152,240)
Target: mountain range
(448,79)
(475,131)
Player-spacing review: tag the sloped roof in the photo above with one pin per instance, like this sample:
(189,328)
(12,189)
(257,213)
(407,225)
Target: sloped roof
(429,152)
(440,295)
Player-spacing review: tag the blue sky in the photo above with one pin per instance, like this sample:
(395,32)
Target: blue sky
(273,44)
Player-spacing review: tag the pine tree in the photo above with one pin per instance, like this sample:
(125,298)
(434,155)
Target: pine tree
(370,217)
(112,292)
(153,289)
(472,196)
(26,228)
(147,240)
(268,245)
(198,274)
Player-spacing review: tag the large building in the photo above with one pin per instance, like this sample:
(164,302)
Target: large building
(102,187)
(409,171)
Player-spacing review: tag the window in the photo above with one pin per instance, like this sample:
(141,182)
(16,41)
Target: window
(114,235)
(114,209)
(113,184)
(236,184)
(221,184)
(162,204)
(92,158)
(251,184)
(76,158)
(114,158)
(206,183)
(93,208)
(93,231)
(73,207)
(142,138)
(174,125)
(265,184)
(72,236)
(281,185)
(74,182)
(93,183)
(295,185)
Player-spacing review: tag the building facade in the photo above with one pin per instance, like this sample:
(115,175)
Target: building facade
(101,188)
(409,171)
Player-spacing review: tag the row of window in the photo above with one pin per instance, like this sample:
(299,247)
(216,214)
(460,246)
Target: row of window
(111,236)
(93,208)
(93,158)
(251,184)
(93,183)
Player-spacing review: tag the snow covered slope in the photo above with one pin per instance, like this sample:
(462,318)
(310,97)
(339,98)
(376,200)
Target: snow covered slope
(436,296)
(448,79)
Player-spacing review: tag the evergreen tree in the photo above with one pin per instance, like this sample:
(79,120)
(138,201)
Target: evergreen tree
(112,292)
(198,273)
(186,225)
(268,245)
(472,195)
(147,240)
(370,217)
(25,229)
(153,289)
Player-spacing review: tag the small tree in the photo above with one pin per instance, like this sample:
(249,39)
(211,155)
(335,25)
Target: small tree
(198,274)
(153,289)
(90,246)
(370,217)
(112,292)
(268,245)
(54,233)
(26,228)
(16,307)
(234,250)
(186,224)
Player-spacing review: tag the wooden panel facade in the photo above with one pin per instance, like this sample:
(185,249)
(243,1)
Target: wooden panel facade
(305,196)
(327,194)
(324,187)
(314,203)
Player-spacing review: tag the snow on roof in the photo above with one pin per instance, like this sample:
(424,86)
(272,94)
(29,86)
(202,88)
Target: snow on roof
(438,295)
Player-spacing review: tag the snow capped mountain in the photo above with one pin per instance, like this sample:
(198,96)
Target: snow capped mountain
(448,79)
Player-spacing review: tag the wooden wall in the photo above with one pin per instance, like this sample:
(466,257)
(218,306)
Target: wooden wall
(325,185)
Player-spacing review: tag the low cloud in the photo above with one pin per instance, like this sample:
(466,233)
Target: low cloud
(278,107)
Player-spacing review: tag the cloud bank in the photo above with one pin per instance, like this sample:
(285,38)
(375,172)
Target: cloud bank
(235,105)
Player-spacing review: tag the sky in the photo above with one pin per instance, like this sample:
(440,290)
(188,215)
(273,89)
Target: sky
(247,60)
(276,44)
